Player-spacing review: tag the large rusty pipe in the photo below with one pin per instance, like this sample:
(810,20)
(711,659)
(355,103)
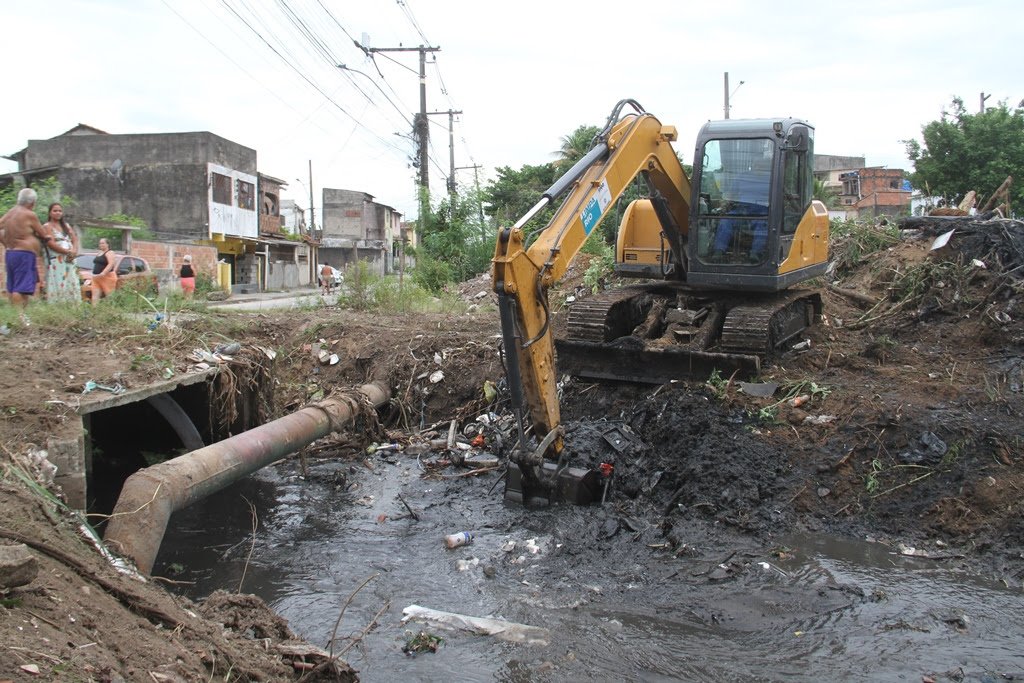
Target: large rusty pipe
(148,497)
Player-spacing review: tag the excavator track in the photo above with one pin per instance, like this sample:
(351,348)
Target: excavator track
(760,327)
(599,343)
(608,315)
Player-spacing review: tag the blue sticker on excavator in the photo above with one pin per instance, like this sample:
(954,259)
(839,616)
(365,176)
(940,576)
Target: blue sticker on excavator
(591,214)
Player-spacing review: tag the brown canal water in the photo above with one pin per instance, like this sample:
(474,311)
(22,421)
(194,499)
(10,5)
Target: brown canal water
(616,603)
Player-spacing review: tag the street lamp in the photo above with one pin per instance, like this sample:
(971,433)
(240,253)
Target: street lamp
(728,95)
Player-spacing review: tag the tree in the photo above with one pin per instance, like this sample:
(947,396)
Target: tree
(513,193)
(575,145)
(48,191)
(963,152)
(826,194)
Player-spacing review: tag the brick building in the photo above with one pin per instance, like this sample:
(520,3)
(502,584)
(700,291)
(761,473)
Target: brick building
(875,192)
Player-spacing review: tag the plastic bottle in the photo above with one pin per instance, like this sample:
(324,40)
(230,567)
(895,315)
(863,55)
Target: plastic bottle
(459,539)
(799,400)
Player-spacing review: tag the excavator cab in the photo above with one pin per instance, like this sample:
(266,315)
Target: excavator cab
(753,183)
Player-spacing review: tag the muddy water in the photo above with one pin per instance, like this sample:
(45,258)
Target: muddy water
(616,605)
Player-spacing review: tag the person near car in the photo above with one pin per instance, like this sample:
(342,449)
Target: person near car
(22,235)
(62,283)
(104,272)
(187,276)
(326,278)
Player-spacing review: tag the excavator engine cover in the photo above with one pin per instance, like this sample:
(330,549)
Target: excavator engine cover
(573,485)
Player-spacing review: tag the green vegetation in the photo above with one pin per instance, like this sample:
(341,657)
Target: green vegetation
(852,240)
(367,291)
(963,152)
(49,191)
(90,237)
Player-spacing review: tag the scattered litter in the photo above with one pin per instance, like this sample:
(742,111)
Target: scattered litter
(819,419)
(942,240)
(93,386)
(531,546)
(508,546)
(759,389)
(978,263)
(227,349)
(768,566)
(481,460)
(490,390)
(459,539)
(465,565)
(436,376)
(802,346)
(333,359)
(422,642)
(506,630)
(5,330)
(799,400)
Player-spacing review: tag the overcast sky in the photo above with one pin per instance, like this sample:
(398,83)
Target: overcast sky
(525,74)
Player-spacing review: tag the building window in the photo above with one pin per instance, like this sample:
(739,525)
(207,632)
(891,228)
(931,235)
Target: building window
(894,184)
(246,195)
(221,188)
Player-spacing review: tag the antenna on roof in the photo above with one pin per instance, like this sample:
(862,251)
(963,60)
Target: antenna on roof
(116,170)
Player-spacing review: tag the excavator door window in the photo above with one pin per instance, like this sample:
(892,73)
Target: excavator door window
(735,191)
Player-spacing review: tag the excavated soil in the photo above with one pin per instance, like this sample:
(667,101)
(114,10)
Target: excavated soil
(911,433)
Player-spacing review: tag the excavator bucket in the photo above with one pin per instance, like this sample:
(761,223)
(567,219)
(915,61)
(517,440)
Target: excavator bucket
(628,363)
(573,485)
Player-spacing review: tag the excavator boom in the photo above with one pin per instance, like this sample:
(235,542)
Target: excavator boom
(637,143)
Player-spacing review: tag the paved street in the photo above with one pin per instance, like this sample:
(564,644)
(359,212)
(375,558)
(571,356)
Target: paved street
(273,300)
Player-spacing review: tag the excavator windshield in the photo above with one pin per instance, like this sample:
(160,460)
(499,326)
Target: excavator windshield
(735,191)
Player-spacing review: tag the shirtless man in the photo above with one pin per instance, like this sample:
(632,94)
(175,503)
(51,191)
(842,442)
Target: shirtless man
(22,234)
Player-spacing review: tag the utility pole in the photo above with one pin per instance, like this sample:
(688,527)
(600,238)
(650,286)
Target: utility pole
(983,98)
(726,107)
(728,94)
(451,151)
(420,123)
(479,202)
(311,214)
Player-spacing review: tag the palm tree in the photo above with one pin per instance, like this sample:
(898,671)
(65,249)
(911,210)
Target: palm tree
(825,194)
(575,146)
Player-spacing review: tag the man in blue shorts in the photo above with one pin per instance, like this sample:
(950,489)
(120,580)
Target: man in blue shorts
(22,235)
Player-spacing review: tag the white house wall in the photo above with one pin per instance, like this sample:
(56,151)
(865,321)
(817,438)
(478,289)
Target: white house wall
(233,220)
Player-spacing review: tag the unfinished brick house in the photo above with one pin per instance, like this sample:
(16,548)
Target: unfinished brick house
(875,192)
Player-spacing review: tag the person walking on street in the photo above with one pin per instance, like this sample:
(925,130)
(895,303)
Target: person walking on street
(188,277)
(23,236)
(326,278)
(104,272)
(62,283)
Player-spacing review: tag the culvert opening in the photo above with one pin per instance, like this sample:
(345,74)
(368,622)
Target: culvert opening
(158,426)
(123,439)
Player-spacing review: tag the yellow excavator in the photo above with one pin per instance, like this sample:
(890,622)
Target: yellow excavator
(719,253)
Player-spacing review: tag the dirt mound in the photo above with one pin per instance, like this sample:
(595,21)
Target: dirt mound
(80,619)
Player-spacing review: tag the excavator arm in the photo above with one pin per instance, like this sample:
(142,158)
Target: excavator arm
(630,145)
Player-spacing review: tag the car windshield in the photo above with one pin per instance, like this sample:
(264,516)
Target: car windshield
(84,260)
